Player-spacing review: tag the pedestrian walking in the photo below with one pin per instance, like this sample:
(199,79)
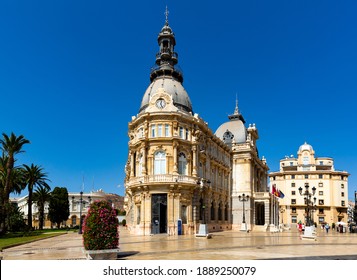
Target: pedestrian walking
(327,227)
(300,227)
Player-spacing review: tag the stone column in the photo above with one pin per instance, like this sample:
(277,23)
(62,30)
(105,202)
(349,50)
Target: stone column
(175,169)
(147,213)
(144,160)
(194,160)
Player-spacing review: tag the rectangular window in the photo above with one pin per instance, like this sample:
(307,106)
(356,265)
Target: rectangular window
(342,194)
(343,203)
(321,193)
(321,163)
(321,185)
(140,132)
(293,210)
(293,219)
(293,201)
(306,176)
(321,211)
(321,220)
(293,185)
(321,202)
(153,130)
(181,132)
(159,130)
(320,176)
(342,186)
(292,176)
(293,193)
(291,163)
(167,132)
(186,134)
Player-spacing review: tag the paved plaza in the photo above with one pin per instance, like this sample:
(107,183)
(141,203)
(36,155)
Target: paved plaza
(227,245)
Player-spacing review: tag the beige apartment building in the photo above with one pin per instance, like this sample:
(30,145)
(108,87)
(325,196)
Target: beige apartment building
(327,187)
(179,173)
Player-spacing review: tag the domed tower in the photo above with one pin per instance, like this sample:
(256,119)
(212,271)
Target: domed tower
(171,173)
(234,130)
(249,174)
(166,77)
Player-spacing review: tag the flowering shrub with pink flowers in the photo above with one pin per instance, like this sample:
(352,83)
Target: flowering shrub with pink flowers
(100,227)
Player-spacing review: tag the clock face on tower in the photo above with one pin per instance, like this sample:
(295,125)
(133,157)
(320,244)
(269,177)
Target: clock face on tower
(160,103)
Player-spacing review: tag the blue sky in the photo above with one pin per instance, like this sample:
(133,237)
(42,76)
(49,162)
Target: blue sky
(72,73)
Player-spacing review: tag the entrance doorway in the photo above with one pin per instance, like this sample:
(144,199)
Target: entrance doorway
(260,213)
(159,213)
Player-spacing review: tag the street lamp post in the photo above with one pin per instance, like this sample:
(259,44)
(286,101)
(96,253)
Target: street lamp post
(243,198)
(309,202)
(81,202)
(309,232)
(203,229)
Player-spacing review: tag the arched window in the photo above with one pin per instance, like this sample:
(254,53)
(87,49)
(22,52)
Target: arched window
(212,212)
(220,212)
(160,162)
(182,161)
(74,220)
(226,212)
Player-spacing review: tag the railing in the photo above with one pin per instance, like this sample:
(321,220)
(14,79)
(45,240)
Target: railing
(261,195)
(168,52)
(163,178)
(176,68)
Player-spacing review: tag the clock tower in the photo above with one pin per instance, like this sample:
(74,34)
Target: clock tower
(177,171)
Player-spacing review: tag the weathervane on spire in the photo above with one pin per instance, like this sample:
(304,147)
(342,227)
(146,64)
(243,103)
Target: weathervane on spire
(236,115)
(236,110)
(167,16)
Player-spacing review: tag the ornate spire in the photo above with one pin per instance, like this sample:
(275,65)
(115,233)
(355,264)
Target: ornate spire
(236,115)
(167,16)
(236,110)
(166,58)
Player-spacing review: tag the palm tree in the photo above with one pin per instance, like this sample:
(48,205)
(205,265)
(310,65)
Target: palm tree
(10,146)
(16,186)
(41,196)
(17,183)
(34,176)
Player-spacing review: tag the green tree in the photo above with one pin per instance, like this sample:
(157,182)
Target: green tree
(10,146)
(34,176)
(15,218)
(59,206)
(41,195)
(17,185)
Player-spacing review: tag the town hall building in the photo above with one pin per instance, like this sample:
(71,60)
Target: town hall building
(179,173)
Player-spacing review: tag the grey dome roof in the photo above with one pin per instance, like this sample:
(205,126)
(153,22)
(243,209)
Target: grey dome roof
(233,129)
(173,87)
